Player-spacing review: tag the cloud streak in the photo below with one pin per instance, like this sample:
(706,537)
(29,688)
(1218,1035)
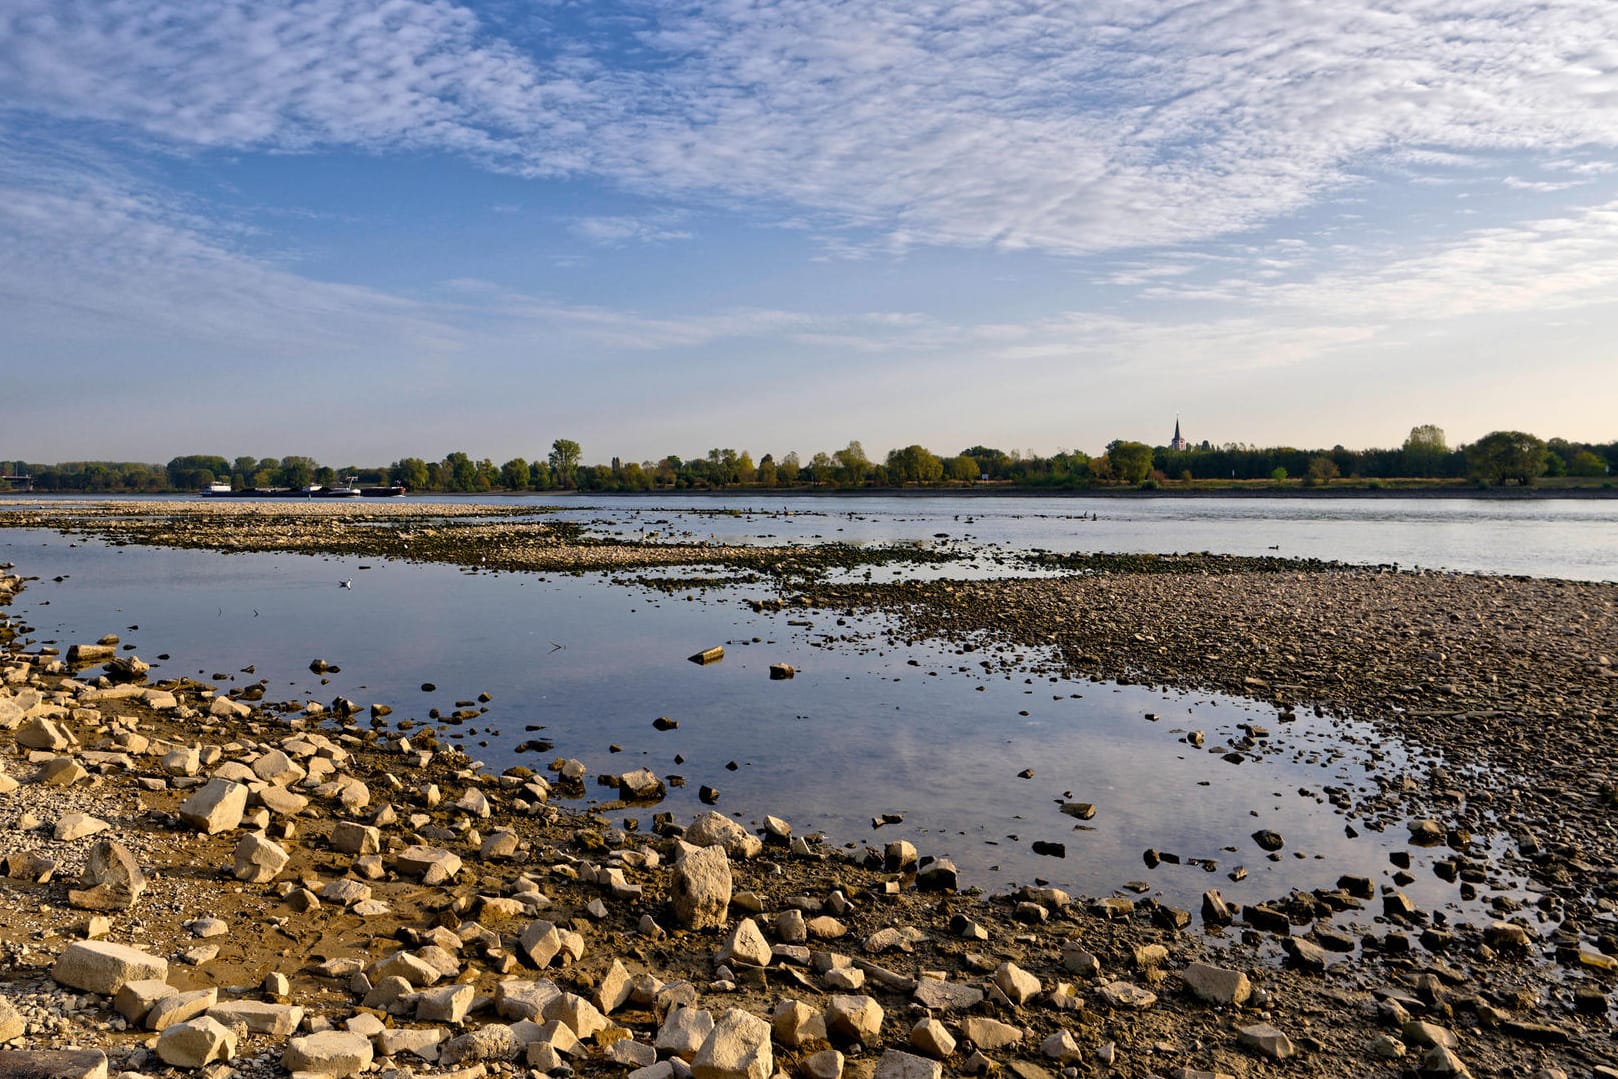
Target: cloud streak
(1054,127)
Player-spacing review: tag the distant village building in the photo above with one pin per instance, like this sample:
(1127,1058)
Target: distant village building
(1178,443)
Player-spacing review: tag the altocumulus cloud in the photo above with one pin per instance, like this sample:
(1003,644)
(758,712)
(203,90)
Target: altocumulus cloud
(1068,128)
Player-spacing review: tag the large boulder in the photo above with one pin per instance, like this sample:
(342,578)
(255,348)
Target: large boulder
(197,1043)
(854,1018)
(336,1053)
(1217,985)
(700,892)
(217,806)
(258,858)
(112,879)
(715,829)
(100,966)
(738,1047)
(745,945)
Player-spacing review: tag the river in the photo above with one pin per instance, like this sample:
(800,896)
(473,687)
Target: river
(868,726)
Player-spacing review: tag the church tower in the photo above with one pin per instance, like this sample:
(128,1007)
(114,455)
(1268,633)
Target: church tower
(1178,443)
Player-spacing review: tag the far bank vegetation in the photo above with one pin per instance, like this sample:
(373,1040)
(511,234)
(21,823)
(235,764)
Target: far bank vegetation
(1500,458)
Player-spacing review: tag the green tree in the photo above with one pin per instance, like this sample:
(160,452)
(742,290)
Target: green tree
(1131,461)
(914,464)
(1425,450)
(852,464)
(1278,474)
(822,469)
(514,475)
(991,462)
(458,472)
(766,471)
(1585,463)
(539,475)
(296,472)
(411,473)
(1500,457)
(564,462)
(195,472)
(963,469)
(788,470)
(1322,470)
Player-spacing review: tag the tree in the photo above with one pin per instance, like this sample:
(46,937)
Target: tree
(766,471)
(410,472)
(1131,461)
(1585,463)
(1502,456)
(852,464)
(964,469)
(991,462)
(459,472)
(515,474)
(822,469)
(1425,450)
(1322,470)
(296,472)
(789,468)
(197,471)
(564,462)
(914,464)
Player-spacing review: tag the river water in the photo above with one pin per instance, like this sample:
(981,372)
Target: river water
(868,726)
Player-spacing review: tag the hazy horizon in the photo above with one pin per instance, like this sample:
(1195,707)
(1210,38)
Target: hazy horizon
(361,232)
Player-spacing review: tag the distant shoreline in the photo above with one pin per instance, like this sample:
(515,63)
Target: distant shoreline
(1501,493)
(1538,493)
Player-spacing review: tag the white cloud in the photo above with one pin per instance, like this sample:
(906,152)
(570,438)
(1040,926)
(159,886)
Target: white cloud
(1121,123)
(618,230)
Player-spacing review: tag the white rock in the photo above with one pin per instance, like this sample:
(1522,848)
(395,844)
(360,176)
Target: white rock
(258,1016)
(335,1053)
(77,826)
(1217,985)
(683,1032)
(701,888)
(930,1039)
(196,1043)
(100,966)
(897,1065)
(258,858)
(738,1047)
(1017,984)
(217,806)
(854,1018)
(746,944)
(448,1004)
(715,829)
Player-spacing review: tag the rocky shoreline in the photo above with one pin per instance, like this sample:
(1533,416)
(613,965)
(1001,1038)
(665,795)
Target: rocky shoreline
(296,886)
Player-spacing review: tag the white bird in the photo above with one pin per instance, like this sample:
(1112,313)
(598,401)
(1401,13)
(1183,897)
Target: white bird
(345,584)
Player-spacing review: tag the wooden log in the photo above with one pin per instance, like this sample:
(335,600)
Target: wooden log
(712,655)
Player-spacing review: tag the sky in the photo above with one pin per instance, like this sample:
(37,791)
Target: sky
(363,231)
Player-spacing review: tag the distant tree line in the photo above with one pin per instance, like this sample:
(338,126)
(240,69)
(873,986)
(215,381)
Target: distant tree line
(1500,458)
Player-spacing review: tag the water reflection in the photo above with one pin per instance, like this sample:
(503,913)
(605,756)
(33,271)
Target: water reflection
(867,726)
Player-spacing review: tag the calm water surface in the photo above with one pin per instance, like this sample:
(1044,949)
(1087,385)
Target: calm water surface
(866,727)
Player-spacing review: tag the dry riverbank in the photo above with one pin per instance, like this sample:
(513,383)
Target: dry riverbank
(404,860)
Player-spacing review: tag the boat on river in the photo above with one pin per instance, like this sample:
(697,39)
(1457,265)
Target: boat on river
(314,490)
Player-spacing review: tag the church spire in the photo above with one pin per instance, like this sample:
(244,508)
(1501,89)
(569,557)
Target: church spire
(1178,443)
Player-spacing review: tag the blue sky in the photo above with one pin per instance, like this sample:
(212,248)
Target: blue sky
(366,230)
